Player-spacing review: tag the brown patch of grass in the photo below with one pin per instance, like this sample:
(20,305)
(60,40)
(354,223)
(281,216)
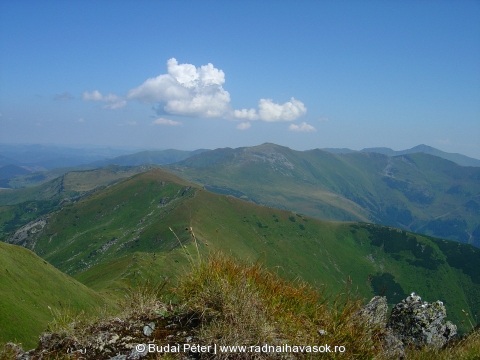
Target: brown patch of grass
(142,299)
(247,305)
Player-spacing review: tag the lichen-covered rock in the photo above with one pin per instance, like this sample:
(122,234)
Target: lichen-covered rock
(419,323)
(393,347)
(375,312)
(374,315)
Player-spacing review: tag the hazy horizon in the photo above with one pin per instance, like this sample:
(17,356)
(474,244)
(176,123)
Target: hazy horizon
(133,149)
(206,74)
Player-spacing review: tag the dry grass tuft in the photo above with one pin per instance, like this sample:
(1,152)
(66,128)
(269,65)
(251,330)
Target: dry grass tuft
(248,305)
(142,299)
(468,348)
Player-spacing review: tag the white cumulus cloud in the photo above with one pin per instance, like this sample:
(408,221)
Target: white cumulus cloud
(244,125)
(111,101)
(303,127)
(168,122)
(246,114)
(186,90)
(270,111)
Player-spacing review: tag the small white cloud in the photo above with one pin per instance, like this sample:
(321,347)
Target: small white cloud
(270,111)
(245,114)
(303,127)
(111,101)
(167,122)
(94,95)
(81,120)
(244,126)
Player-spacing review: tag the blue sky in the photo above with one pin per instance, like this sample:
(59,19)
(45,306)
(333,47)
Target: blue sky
(208,74)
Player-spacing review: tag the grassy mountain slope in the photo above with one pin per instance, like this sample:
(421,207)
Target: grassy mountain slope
(121,234)
(417,192)
(24,207)
(69,184)
(28,287)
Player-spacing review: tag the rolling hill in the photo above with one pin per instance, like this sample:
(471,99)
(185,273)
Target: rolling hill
(121,234)
(31,291)
(416,192)
(18,207)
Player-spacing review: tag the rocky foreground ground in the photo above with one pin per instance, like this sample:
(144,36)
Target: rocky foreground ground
(169,331)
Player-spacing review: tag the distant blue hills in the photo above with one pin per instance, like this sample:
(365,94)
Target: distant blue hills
(459,159)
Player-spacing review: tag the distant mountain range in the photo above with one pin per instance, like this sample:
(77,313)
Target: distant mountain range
(456,158)
(151,157)
(46,157)
(418,189)
(414,191)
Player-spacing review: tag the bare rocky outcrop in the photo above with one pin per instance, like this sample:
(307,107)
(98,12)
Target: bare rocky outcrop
(419,323)
(413,322)
(116,338)
(25,236)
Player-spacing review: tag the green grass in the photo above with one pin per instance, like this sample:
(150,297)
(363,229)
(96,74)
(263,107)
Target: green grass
(32,290)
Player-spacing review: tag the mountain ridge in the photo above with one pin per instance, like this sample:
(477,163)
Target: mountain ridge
(457,158)
(413,191)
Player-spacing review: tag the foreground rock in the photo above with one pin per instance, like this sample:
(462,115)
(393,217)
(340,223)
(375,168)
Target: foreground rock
(413,322)
(419,323)
(115,339)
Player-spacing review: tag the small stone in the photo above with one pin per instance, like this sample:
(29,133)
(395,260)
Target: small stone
(119,357)
(322,332)
(148,329)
